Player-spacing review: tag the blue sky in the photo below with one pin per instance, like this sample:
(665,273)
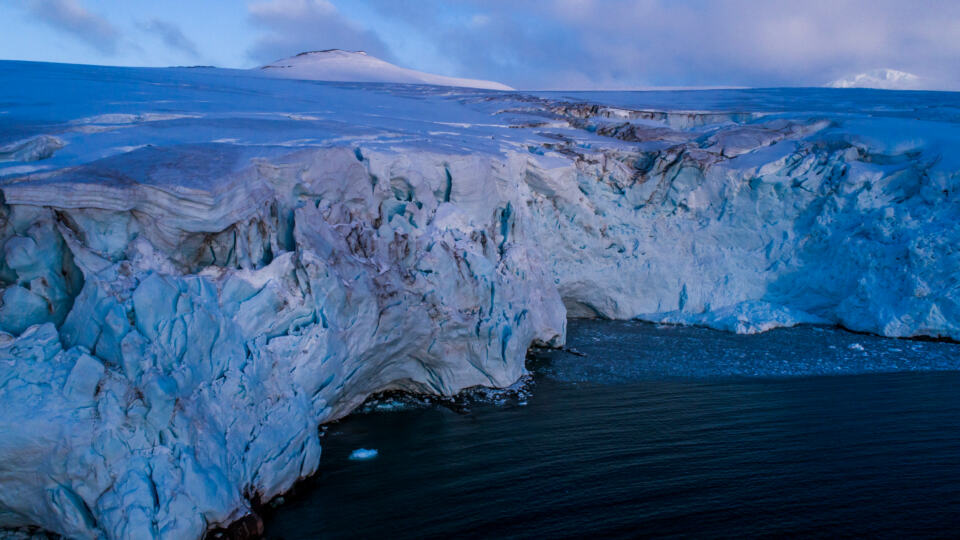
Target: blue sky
(564,44)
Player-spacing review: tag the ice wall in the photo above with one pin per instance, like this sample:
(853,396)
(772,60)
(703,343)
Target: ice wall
(751,227)
(213,329)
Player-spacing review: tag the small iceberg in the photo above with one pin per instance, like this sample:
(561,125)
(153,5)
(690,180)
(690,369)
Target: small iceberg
(362,454)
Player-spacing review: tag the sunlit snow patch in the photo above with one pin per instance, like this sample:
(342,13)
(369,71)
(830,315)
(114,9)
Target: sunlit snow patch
(358,66)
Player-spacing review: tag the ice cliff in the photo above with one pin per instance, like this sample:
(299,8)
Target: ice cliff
(202,266)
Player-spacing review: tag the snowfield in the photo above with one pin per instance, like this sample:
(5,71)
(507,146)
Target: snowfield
(201,266)
(358,66)
(884,79)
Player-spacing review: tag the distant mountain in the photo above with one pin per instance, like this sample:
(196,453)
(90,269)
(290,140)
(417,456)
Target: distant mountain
(885,79)
(338,65)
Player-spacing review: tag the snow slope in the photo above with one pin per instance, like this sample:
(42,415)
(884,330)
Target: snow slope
(337,65)
(200,266)
(883,79)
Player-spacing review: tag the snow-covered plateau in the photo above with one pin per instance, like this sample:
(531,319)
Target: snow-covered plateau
(358,66)
(201,266)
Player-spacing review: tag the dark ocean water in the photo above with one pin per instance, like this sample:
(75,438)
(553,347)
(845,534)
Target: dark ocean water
(661,432)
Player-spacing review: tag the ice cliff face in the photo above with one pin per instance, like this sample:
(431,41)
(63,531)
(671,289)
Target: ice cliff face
(201,266)
(750,227)
(216,326)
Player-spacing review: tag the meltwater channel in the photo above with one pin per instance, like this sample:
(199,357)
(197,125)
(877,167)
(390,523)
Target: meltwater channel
(659,431)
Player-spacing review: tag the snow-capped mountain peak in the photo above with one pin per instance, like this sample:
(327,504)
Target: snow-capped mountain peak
(885,79)
(358,66)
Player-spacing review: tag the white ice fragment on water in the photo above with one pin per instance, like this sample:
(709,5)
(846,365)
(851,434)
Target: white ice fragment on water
(390,405)
(34,149)
(122,118)
(855,347)
(363,454)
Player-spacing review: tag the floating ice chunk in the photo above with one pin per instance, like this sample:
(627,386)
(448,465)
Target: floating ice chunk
(122,118)
(855,347)
(35,149)
(363,454)
(390,405)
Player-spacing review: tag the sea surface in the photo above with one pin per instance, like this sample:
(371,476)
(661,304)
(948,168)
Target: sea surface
(645,430)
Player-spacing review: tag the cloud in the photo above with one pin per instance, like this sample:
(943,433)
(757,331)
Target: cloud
(639,43)
(71,17)
(293,26)
(172,36)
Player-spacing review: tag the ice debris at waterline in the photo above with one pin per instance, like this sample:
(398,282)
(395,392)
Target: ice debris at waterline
(619,352)
(201,266)
(362,454)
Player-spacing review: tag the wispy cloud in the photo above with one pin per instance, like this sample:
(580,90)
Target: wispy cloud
(71,17)
(172,36)
(637,43)
(292,26)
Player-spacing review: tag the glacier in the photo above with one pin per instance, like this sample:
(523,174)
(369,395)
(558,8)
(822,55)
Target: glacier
(202,266)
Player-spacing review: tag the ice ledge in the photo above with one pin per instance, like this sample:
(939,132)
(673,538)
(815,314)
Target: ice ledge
(748,317)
